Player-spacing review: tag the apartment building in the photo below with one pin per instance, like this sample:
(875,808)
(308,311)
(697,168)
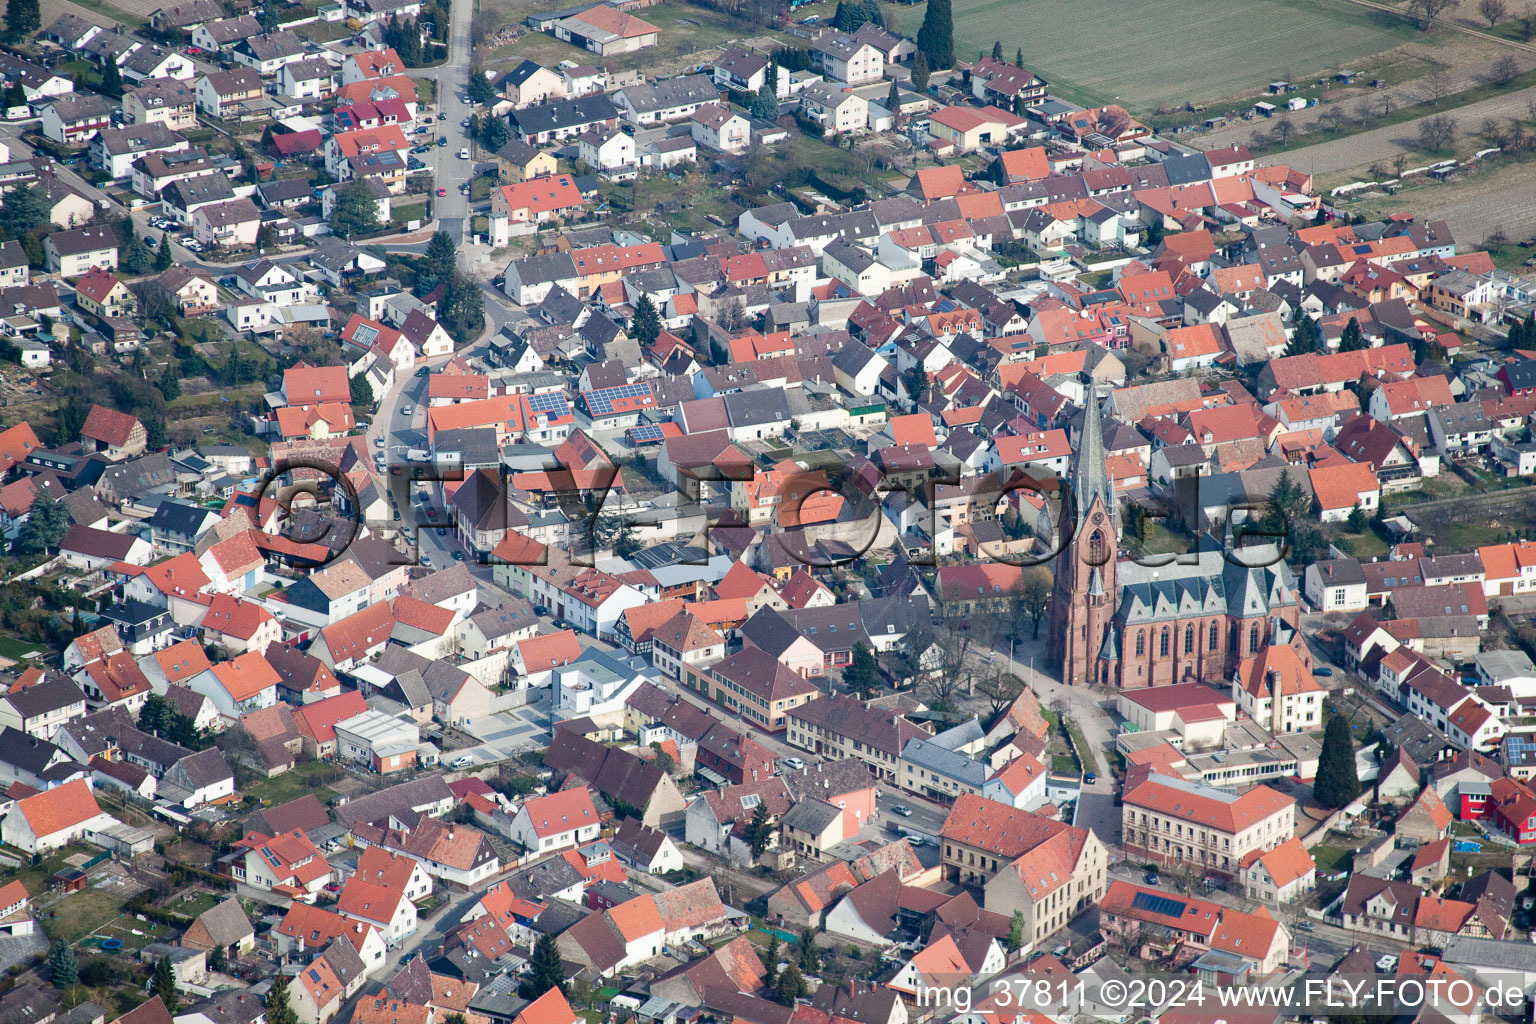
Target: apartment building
(1174,822)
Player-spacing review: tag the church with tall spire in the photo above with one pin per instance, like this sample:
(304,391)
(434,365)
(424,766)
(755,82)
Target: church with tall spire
(1117,622)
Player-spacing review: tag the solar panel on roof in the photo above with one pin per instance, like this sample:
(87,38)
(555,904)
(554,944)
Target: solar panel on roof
(1156,904)
(601,401)
(552,402)
(646,432)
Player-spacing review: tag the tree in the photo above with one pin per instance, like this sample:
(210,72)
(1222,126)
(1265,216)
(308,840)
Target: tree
(1353,339)
(362,391)
(1429,10)
(47,523)
(810,956)
(920,72)
(462,308)
(1001,689)
(1306,337)
(154,431)
(1286,505)
(765,105)
(356,212)
(759,834)
(545,972)
(1337,782)
(770,956)
(1436,133)
(1283,130)
(862,677)
(165,259)
(1016,931)
(70,416)
(997,50)
(1356,522)
(1018,58)
(892,97)
(732,316)
(936,37)
(62,969)
(15,96)
(1033,595)
(495,133)
(278,1009)
(1493,11)
(1503,71)
(136,258)
(111,79)
(22,18)
(480,88)
(647,324)
(789,986)
(442,258)
(24,209)
(163,983)
(217,960)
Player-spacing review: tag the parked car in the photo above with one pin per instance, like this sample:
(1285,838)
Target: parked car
(441,192)
(903,810)
(1091,778)
(463,761)
(1151,878)
(794,764)
(443,116)
(464,153)
(378,442)
(442,140)
(1322,670)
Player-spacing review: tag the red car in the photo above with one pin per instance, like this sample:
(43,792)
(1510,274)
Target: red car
(431,513)
(441,192)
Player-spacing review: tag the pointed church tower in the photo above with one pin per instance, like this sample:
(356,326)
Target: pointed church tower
(1083,601)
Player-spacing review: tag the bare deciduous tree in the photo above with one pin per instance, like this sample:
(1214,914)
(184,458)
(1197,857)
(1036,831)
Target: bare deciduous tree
(1399,163)
(1436,133)
(1436,87)
(1429,10)
(1362,110)
(1491,130)
(1528,24)
(1503,71)
(1331,118)
(1493,11)
(1284,131)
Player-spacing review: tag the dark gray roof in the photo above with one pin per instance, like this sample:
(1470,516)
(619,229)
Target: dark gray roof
(54,692)
(548,117)
(748,408)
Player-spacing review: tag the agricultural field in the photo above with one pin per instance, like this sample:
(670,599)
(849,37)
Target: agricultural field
(1167,52)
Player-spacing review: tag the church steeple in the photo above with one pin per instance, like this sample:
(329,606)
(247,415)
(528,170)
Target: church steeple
(1090,473)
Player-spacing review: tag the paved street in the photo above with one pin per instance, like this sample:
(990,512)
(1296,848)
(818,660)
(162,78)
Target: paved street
(1096,809)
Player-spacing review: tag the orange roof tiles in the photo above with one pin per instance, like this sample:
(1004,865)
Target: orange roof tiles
(58,809)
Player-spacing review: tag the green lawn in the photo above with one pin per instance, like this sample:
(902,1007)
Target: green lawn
(16,650)
(1080,743)
(1165,52)
(290,786)
(1332,859)
(80,913)
(405,214)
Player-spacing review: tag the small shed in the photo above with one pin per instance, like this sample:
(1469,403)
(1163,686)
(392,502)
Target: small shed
(67,880)
(1279,88)
(1264,109)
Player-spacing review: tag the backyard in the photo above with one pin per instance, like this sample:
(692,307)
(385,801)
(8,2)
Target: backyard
(304,779)
(1182,50)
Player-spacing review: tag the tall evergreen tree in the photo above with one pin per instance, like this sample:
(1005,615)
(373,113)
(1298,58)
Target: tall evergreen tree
(771,77)
(462,308)
(892,97)
(165,258)
(936,37)
(163,983)
(546,971)
(770,956)
(22,18)
(1305,338)
(759,831)
(355,212)
(111,79)
(63,971)
(1018,58)
(15,96)
(647,324)
(789,987)
(1337,781)
(920,72)
(442,258)
(997,50)
(279,1011)
(862,677)
(810,955)
(1353,338)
